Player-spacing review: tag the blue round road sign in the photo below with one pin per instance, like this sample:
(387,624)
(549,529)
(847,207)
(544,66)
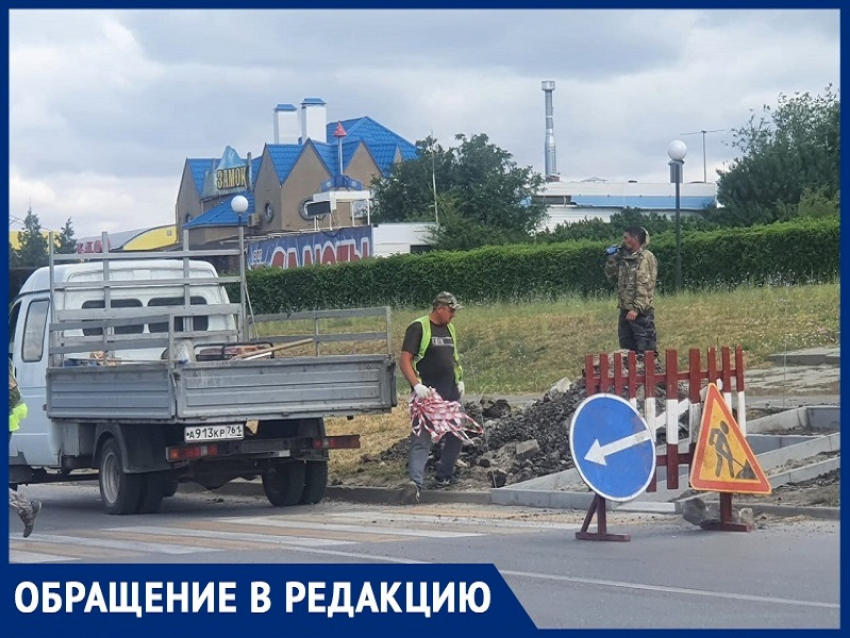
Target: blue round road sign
(612,447)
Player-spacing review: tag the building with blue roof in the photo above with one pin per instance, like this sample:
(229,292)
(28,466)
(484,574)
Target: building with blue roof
(308,155)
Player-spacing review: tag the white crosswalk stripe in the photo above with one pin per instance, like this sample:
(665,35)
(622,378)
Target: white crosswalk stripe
(396,531)
(326,532)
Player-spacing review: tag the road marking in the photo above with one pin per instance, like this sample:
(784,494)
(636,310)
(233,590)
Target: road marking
(672,590)
(128,545)
(200,535)
(19,556)
(355,529)
(316,535)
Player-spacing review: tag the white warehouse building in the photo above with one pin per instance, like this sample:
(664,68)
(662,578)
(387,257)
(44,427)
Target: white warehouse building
(569,202)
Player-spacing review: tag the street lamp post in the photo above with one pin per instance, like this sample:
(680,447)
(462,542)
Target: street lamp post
(676,151)
(240,204)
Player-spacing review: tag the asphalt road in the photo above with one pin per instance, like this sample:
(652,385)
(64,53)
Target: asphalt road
(670,575)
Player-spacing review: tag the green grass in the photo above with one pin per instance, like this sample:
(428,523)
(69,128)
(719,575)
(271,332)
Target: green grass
(525,348)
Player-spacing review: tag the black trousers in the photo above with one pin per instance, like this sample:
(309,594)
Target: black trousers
(638,335)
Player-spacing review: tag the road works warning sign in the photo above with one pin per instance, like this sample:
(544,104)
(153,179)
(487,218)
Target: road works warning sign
(723,460)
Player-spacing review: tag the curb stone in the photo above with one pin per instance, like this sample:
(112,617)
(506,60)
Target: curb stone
(392,496)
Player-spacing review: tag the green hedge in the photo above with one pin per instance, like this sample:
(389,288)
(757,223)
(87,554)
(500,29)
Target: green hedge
(803,251)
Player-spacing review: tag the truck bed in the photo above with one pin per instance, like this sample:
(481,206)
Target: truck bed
(224,391)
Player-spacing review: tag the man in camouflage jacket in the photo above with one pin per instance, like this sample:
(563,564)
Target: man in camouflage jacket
(634,269)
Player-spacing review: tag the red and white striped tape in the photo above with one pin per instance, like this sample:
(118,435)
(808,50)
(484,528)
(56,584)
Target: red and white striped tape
(440,417)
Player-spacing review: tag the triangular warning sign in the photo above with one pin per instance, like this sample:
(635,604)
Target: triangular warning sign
(723,460)
(339,131)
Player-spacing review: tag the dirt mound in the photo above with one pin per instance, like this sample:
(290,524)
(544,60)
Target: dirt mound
(518,443)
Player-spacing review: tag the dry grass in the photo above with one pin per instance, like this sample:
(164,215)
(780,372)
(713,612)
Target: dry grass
(525,348)
(377,433)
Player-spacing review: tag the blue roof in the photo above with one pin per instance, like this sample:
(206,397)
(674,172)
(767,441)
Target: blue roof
(372,134)
(285,107)
(349,148)
(199,167)
(384,155)
(223,214)
(312,100)
(330,153)
(283,158)
(656,203)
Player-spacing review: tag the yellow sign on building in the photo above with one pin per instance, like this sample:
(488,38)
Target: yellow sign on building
(723,460)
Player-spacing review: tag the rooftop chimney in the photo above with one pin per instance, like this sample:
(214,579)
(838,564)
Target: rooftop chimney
(286,125)
(549,147)
(314,120)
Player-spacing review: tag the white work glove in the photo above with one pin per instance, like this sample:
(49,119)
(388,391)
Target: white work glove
(421,391)
(461,387)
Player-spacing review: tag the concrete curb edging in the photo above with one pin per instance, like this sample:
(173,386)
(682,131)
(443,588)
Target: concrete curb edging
(528,498)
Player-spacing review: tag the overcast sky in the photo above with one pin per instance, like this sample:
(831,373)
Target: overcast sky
(105,106)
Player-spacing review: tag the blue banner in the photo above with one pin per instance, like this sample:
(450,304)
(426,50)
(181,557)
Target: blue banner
(306,249)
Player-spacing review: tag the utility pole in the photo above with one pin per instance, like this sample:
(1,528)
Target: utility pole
(704,170)
(434,182)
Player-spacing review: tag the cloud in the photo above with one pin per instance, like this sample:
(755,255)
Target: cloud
(105,106)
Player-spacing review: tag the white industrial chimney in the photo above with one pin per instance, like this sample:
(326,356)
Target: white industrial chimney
(549,147)
(314,120)
(287,128)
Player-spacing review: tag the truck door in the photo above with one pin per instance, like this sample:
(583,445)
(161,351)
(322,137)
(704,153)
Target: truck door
(36,443)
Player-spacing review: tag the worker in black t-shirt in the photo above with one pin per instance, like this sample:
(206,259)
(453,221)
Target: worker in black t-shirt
(429,361)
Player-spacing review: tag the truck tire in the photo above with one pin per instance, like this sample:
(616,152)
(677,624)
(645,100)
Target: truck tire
(153,489)
(284,484)
(315,482)
(169,487)
(119,492)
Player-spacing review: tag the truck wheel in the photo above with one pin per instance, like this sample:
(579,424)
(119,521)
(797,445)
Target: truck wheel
(284,484)
(119,491)
(169,487)
(315,482)
(153,489)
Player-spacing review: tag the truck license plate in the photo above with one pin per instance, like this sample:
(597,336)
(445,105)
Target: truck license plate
(199,434)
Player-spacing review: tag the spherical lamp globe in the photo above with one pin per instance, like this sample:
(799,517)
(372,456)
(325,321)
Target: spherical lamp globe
(677,150)
(239,204)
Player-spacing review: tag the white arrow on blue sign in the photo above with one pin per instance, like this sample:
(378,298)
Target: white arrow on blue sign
(612,447)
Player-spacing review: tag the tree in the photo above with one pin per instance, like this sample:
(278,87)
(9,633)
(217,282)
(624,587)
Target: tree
(785,152)
(14,257)
(33,250)
(483,197)
(67,245)
(408,193)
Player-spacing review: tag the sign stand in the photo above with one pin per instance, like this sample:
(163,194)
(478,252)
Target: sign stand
(724,462)
(725,524)
(598,506)
(620,374)
(613,451)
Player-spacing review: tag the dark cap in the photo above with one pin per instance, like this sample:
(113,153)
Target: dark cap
(446,299)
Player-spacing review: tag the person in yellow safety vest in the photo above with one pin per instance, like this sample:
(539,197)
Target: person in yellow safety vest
(28,510)
(429,361)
